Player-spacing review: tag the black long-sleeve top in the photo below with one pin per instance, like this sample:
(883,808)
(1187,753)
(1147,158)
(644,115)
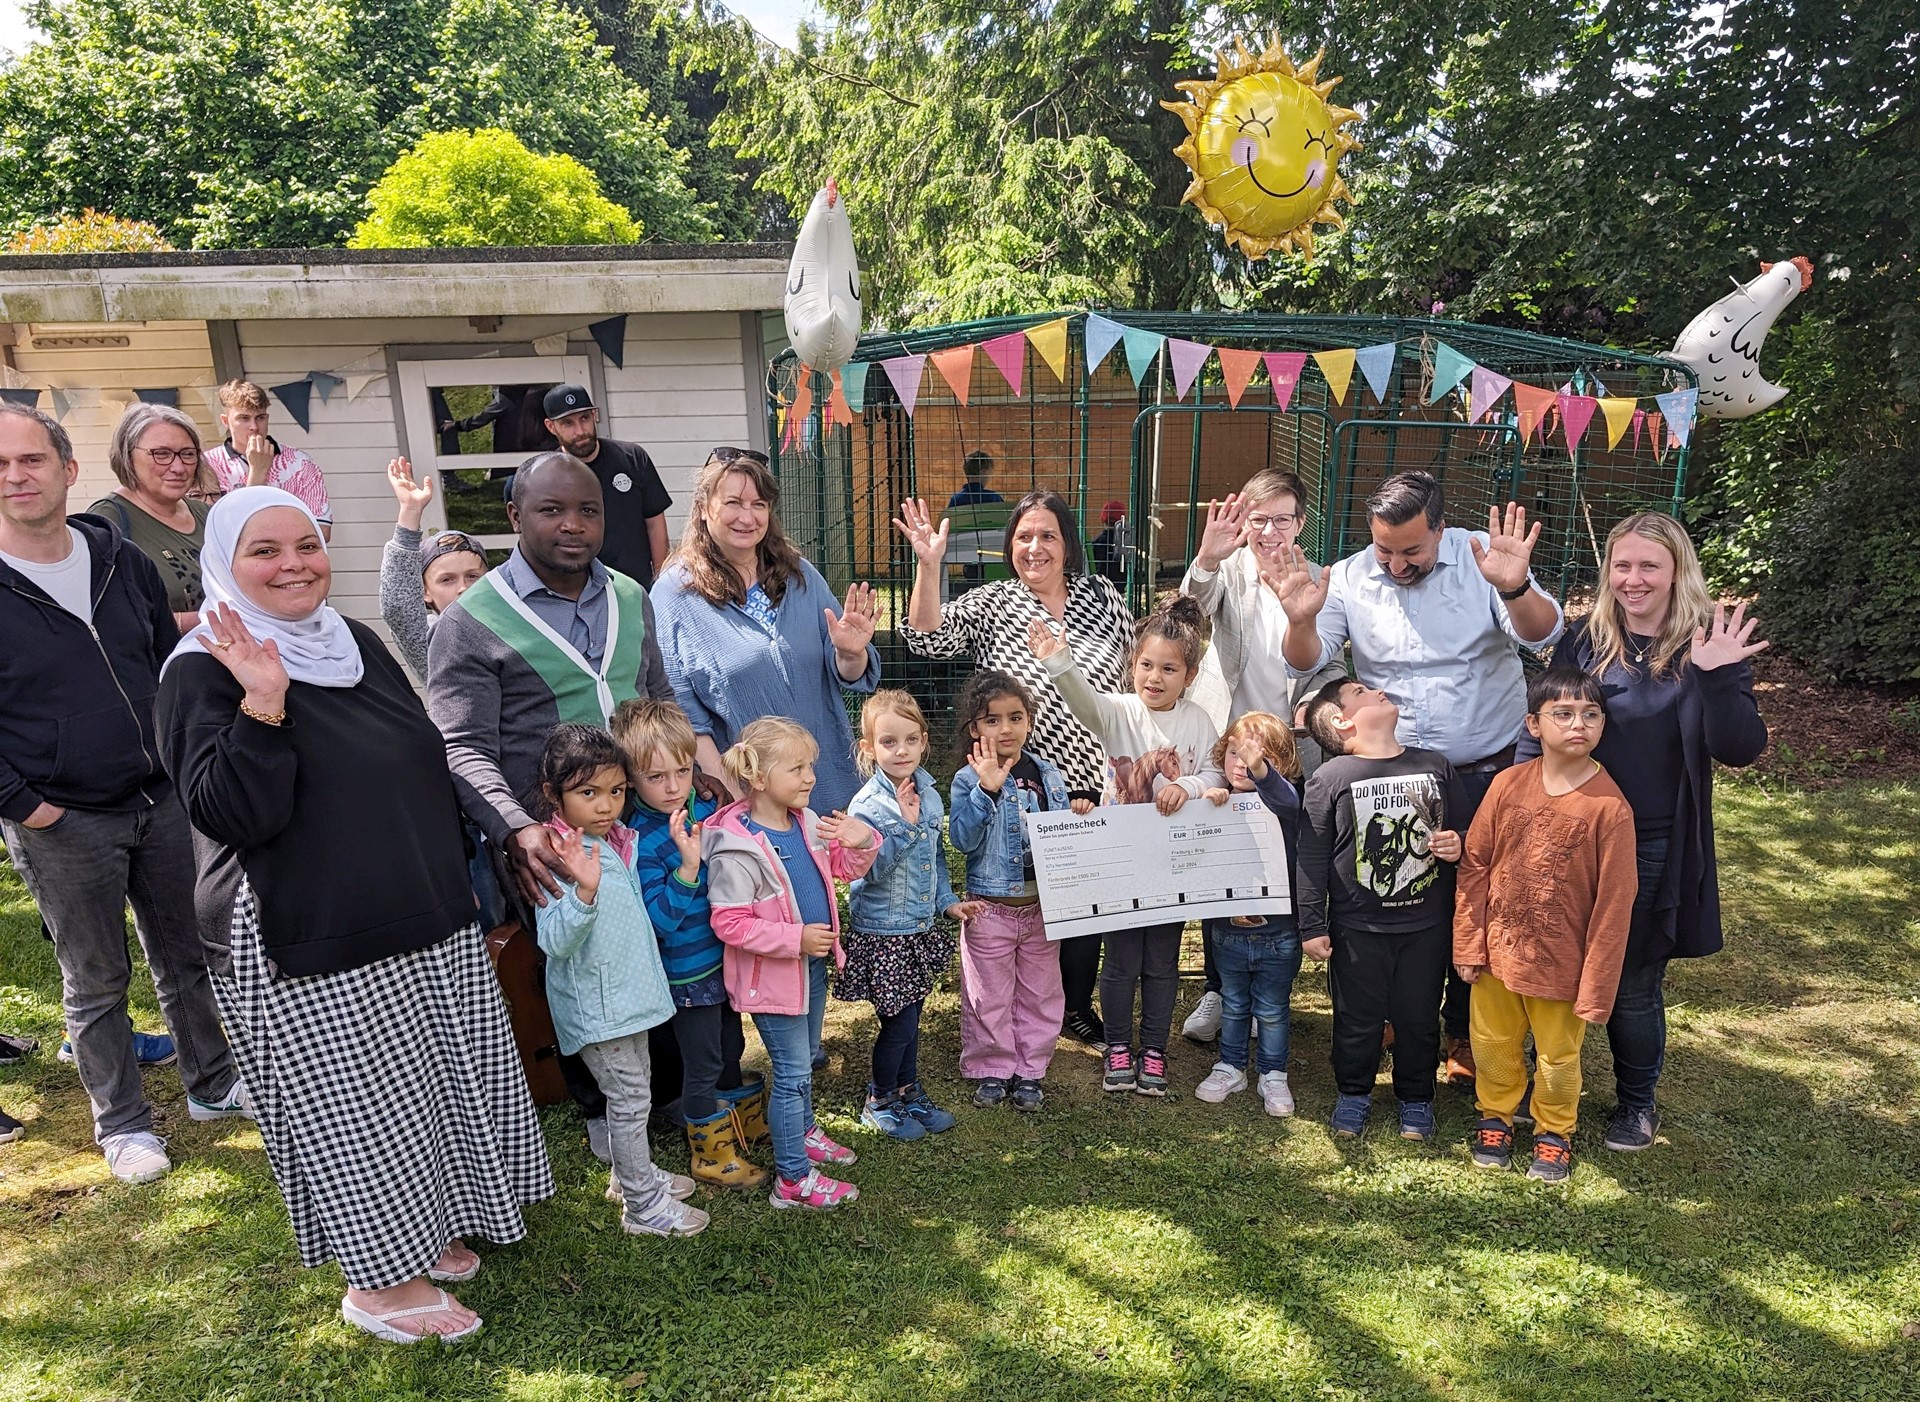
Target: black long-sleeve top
(343,819)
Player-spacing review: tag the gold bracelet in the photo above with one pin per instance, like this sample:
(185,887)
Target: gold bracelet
(277,718)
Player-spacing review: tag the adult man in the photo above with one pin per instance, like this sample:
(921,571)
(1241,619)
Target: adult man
(259,460)
(636,500)
(90,818)
(1436,617)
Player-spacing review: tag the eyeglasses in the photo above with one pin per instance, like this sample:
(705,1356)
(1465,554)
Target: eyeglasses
(1260,525)
(727,455)
(167,457)
(1564,716)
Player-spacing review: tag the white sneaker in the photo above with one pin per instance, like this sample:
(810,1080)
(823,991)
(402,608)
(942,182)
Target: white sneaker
(598,1141)
(1277,1094)
(234,1102)
(137,1157)
(671,1218)
(1203,1023)
(1221,1082)
(677,1185)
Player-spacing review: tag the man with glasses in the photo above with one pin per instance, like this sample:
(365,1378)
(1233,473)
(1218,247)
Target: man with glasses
(636,499)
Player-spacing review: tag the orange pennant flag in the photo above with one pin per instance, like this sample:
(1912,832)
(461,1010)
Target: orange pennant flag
(1618,411)
(1337,366)
(1237,367)
(1532,404)
(956,368)
(1049,339)
(1657,434)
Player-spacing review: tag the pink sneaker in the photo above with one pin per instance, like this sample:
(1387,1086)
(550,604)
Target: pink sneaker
(821,1149)
(814,1193)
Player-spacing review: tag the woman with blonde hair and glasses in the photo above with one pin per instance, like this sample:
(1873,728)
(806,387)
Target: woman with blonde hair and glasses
(158,458)
(1679,689)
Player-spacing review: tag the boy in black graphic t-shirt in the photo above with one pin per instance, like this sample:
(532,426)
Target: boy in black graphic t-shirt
(1377,844)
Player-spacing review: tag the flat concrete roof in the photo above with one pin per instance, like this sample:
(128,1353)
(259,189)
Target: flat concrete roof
(292,284)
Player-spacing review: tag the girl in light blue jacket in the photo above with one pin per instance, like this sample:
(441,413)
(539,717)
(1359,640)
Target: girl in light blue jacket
(605,983)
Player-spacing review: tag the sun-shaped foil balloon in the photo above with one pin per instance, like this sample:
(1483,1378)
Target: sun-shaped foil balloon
(1264,145)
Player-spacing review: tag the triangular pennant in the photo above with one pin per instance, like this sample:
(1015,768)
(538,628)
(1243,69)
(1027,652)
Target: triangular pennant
(556,344)
(1283,373)
(1236,368)
(1639,427)
(1449,369)
(357,383)
(610,334)
(1532,404)
(1376,363)
(853,385)
(1050,340)
(209,395)
(955,365)
(168,397)
(1143,348)
(1337,366)
(1488,386)
(1009,356)
(30,398)
(1102,336)
(325,383)
(1187,358)
(837,400)
(62,405)
(297,395)
(1576,412)
(905,371)
(1619,412)
(1679,405)
(1656,433)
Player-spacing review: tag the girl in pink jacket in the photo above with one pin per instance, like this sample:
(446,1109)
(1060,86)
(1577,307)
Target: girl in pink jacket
(771,864)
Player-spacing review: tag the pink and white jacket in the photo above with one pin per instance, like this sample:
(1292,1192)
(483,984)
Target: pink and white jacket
(755,913)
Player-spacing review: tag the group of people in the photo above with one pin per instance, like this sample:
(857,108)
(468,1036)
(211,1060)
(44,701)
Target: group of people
(658,775)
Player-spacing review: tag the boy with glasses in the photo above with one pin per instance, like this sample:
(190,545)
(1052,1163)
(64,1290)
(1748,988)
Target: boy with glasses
(1546,889)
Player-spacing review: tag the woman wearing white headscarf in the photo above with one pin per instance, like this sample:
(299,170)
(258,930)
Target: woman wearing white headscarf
(334,903)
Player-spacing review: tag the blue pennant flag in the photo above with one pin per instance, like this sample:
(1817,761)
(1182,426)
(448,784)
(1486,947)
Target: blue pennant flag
(297,395)
(1678,407)
(1449,369)
(1102,336)
(1143,348)
(1376,363)
(853,384)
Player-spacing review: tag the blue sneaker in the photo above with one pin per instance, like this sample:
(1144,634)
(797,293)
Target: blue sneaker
(891,1118)
(1416,1120)
(915,1100)
(149,1049)
(1349,1119)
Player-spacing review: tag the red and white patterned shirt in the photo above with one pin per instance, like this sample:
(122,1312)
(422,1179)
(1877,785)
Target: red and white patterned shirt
(292,471)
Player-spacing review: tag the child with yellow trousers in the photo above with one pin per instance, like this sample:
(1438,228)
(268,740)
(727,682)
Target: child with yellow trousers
(1546,889)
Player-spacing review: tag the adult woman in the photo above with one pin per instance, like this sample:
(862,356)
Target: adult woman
(989,624)
(748,628)
(1679,697)
(156,455)
(420,576)
(334,903)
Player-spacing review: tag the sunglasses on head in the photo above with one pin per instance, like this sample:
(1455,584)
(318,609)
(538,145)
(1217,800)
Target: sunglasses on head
(727,455)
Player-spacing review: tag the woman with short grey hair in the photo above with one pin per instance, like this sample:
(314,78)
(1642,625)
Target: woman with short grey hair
(156,454)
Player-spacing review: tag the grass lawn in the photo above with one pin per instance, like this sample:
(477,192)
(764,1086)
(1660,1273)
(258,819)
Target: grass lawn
(1114,1248)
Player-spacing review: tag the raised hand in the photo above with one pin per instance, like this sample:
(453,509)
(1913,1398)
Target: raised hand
(1724,641)
(255,665)
(686,841)
(1042,641)
(991,770)
(259,455)
(1508,553)
(1290,577)
(413,496)
(929,542)
(852,629)
(1252,754)
(580,859)
(1224,532)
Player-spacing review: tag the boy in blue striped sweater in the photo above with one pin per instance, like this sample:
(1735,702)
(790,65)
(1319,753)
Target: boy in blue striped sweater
(724,1116)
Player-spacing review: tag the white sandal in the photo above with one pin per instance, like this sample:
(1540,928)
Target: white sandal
(455,1277)
(381,1327)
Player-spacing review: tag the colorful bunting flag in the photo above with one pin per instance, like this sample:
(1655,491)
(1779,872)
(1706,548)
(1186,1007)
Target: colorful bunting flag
(1050,341)
(62,404)
(1656,434)
(1143,348)
(1102,336)
(1679,405)
(1449,369)
(1337,366)
(1376,363)
(905,371)
(325,383)
(1236,368)
(1283,373)
(556,344)
(30,398)
(1009,356)
(853,385)
(297,395)
(1532,404)
(1619,413)
(610,334)
(1187,358)
(1488,386)
(955,365)
(1576,412)
(357,383)
(169,397)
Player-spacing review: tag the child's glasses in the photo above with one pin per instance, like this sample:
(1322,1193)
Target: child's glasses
(1564,716)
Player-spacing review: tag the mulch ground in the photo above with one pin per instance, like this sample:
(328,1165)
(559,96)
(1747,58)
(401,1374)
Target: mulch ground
(1822,735)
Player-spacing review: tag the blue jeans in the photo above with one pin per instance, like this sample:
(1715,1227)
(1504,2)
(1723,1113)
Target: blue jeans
(1637,1031)
(816,1006)
(1256,980)
(786,1037)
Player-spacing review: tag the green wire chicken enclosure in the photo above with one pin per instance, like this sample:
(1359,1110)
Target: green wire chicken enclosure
(1139,462)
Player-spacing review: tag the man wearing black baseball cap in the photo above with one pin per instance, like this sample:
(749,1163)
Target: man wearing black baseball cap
(636,499)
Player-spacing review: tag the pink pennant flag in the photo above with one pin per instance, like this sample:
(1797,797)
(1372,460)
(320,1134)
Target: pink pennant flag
(1488,386)
(955,365)
(1188,357)
(1576,412)
(1236,368)
(1283,372)
(1009,356)
(905,371)
(1639,425)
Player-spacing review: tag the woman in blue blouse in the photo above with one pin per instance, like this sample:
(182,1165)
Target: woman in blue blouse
(749,629)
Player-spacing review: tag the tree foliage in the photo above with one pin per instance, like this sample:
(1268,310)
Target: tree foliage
(89,232)
(478,189)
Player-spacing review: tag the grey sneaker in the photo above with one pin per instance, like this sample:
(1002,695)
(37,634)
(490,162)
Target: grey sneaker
(671,1218)
(598,1141)
(1630,1131)
(1203,1023)
(138,1157)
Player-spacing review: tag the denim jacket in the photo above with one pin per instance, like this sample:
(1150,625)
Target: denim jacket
(987,827)
(907,885)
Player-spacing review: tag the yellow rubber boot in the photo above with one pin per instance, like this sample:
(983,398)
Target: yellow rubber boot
(748,1101)
(715,1150)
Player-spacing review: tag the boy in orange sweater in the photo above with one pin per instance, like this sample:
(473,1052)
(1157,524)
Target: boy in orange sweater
(1546,889)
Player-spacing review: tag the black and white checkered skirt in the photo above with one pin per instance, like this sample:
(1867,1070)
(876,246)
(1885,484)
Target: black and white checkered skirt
(395,1113)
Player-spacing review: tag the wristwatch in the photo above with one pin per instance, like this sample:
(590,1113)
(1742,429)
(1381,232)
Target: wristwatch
(1511,594)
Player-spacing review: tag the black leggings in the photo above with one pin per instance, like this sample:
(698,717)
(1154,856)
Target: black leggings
(1147,959)
(711,1041)
(1376,979)
(896,1051)
(1079,971)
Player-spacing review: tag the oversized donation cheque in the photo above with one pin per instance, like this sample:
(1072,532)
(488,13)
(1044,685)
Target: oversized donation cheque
(1127,864)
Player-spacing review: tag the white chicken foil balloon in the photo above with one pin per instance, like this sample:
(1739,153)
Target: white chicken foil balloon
(823,285)
(1722,344)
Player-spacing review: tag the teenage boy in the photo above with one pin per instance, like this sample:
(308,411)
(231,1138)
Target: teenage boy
(251,457)
(1546,894)
(1376,898)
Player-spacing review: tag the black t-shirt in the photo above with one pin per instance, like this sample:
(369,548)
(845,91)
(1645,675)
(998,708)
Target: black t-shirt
(1364,857)
(631,485)
(1030,792)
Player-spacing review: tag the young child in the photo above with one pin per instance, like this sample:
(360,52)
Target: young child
(1157,744)
(894,951)
(1376,898)
(1258,956)
(770,870)
(1011,1000)
(723,1111)
(605,985)
(1546,893)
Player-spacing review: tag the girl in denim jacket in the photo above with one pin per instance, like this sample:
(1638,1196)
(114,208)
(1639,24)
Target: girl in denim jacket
(771,865)
(895,950)
(1011,1001)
